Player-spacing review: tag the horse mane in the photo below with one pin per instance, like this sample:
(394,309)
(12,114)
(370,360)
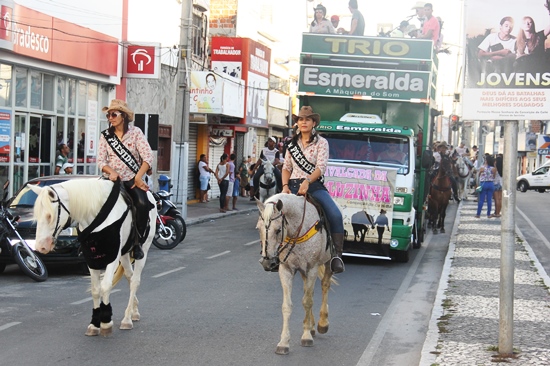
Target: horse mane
(86,196)
(43,206)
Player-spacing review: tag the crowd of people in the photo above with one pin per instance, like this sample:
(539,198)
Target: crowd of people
(486,175)
(429,26)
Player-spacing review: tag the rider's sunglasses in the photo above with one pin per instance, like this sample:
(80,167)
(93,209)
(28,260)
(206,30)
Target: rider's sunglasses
(113,114)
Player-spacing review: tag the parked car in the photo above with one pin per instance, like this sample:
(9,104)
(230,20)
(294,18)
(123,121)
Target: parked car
(538,180)
(67,248)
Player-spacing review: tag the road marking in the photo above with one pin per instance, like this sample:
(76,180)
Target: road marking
(537,231)
(219,255)
(252,242)
(168,272)
(9,325)
(90,299)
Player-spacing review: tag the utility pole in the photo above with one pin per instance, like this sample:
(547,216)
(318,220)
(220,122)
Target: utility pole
(182,103)
(507,243)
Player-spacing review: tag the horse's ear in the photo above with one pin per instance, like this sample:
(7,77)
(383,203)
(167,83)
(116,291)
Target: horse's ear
(35,188)
(279,205)
(260,204)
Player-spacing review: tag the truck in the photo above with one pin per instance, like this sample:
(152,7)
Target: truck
(376,98)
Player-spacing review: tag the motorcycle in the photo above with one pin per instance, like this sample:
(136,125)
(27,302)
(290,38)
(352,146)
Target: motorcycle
(13,244)
(171,228)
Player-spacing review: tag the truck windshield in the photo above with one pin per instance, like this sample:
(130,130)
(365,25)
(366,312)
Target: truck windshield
(391,151)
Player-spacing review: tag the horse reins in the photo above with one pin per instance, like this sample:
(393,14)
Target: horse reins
(290,242)
(59,206)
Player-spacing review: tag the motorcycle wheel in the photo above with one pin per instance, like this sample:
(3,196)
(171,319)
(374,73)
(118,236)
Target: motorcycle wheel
(31,266)
(168,239)
(2,267)
(183,227)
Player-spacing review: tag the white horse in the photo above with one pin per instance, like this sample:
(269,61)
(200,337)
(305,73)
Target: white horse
(80,201)
(291,242)
(464,171)
(268,183)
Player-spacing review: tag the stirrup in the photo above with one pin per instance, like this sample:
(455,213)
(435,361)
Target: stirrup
(337,265)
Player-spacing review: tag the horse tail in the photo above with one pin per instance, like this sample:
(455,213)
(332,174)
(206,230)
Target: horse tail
(321,274)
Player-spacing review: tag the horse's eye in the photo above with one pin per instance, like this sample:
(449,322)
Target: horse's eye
(278,231)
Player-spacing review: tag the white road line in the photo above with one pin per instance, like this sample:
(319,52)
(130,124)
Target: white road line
(90,298)
(252,242)
(535,229)
(9,325)
(219,255)
(168,272)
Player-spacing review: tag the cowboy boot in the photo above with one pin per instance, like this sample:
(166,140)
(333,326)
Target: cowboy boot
(336,263)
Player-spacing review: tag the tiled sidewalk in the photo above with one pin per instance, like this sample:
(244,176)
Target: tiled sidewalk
(464,328)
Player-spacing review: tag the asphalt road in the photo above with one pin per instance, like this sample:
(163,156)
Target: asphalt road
(209,302)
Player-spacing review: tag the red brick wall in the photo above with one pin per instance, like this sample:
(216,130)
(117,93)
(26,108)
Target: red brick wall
(223,17)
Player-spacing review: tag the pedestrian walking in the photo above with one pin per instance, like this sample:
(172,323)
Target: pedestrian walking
(487,174)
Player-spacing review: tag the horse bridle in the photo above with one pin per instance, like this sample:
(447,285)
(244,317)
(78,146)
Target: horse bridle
(59,206)
(289,243)
(269,178)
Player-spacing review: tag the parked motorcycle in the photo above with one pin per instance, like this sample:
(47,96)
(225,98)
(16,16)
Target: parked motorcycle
(171,227)
(13,244)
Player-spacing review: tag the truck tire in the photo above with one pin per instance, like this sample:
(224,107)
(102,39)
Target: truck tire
(401,256)
(417,237)
(523,186)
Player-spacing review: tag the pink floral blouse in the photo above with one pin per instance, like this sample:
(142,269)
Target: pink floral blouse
(135,142)
(316,153)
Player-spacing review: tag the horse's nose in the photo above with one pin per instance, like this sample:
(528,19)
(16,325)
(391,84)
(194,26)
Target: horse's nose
(270,264)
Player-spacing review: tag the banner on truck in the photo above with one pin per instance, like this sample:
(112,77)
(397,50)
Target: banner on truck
(507,62)
(365,195)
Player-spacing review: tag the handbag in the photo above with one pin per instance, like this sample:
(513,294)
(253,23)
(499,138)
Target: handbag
(479,188)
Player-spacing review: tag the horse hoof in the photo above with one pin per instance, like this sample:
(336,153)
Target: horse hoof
(434,231)
(312,332)
(442,230)
(307,342)
(322,329)
(126,325)
(92,331)
(135,317)
(282,350)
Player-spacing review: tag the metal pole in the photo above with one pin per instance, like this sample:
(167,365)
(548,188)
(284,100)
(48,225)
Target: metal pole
(182,101)
(506,308)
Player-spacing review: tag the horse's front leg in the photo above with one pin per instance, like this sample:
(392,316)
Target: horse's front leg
(442,218)
(106,327)
(93,327)
(307,302)
(132,313)
(322,327)
(285,275)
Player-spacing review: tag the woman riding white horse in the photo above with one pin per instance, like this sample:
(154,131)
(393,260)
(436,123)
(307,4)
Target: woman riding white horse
(305,163)
(125,153)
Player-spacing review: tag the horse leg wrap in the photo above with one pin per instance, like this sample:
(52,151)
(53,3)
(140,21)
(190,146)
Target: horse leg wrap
(96,317)
(106,312)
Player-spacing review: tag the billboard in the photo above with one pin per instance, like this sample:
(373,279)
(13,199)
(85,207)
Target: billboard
(216,94)
(507,62)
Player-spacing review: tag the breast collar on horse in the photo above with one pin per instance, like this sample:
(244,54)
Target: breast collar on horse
(289,242)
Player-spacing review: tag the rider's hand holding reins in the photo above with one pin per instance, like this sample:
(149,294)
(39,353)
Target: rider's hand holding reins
(285,189)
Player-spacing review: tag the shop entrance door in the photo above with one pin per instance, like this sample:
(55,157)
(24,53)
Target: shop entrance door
(33,144)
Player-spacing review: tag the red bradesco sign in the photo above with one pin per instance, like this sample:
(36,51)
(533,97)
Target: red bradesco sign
(142,61)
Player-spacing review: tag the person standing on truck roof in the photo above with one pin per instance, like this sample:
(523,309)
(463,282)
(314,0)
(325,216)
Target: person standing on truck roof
(431,27)
(357,27)
(320,23)
(305,163)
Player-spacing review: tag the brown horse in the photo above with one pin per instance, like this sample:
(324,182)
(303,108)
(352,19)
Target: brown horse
(440,193)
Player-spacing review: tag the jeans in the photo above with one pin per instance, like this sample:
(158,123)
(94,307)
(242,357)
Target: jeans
(487,189)
(332,211)
(224,185)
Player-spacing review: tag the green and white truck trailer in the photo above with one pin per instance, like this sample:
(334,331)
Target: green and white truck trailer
(376,98)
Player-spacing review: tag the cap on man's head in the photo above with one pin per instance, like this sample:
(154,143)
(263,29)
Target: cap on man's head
(418,5)
(272,139)
(334,18)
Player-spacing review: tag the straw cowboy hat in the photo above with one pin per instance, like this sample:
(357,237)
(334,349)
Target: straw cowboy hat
(119,105)
(307,111)
(418,5)
(443,144)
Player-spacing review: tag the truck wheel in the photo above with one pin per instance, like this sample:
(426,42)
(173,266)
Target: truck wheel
(401,256)
(416,237)
(523,186)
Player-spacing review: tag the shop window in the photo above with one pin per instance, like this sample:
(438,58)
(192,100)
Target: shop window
(92,91)
(48,92)
(82,93)
(165,148)
(5,85)
(36,90)
(21,87)
(72,97)
(60,95)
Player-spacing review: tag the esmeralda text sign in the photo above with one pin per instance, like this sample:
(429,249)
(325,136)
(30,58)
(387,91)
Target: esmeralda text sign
(368,83)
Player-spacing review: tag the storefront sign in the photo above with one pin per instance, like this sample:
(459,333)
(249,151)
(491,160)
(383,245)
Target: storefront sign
(219,132)
(142,61)
(506,77)
(35,34)
(5,135)
(205,93)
